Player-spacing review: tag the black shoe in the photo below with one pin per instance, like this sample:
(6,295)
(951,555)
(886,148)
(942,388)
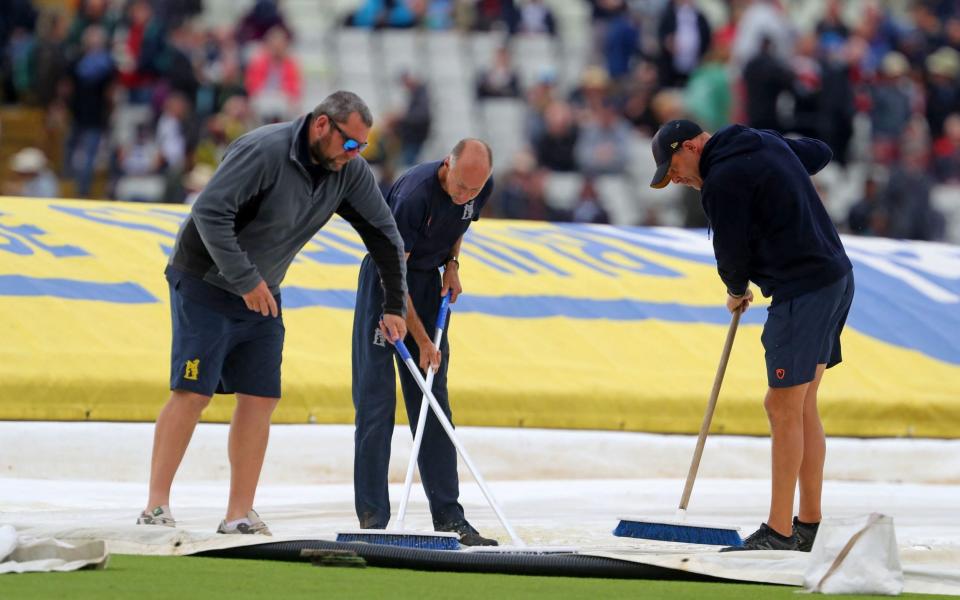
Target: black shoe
(370,521)
(805,533)
(765,538)
(468,535)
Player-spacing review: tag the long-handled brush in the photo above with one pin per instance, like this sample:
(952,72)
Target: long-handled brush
(451,433)
(679,530)
(397,535)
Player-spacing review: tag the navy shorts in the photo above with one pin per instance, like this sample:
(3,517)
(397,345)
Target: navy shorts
(216,353)
(803,332)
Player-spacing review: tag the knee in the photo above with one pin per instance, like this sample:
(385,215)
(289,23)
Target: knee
(781,412)
(260,404)
(192,400)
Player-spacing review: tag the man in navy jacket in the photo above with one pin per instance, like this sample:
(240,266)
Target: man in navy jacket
(770,227)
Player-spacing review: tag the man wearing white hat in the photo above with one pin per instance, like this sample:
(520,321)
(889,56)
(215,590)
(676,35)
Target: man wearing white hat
(30,175)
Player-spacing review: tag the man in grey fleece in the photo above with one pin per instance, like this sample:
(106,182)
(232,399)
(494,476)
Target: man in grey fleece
(276,187)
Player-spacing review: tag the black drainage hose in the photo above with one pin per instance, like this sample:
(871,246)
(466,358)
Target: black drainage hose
(515,563)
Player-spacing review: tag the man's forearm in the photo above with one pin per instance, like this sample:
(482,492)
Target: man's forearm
(415,325)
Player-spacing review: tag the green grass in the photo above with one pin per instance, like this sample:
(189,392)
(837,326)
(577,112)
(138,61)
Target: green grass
(177,578)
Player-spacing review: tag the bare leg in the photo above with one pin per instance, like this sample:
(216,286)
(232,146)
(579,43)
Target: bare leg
(785,412)
(172,434)
(249,433)
(814,453)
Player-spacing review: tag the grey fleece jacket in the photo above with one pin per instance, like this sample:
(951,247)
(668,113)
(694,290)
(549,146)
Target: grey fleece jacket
(260,208)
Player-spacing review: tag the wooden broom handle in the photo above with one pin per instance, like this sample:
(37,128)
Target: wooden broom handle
(711,405)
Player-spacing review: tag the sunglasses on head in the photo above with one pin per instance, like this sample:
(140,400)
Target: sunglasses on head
(349,144)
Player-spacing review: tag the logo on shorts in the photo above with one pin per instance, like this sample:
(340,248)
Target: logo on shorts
(378,339)
(467,211)
(192,370)
(781,373)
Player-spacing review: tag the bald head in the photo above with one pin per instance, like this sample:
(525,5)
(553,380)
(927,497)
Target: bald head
(468,167)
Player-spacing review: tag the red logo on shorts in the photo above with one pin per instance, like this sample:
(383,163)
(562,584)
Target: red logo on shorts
(781,373)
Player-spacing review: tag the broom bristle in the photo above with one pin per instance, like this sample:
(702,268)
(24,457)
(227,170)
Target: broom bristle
(675,532)
(423,541)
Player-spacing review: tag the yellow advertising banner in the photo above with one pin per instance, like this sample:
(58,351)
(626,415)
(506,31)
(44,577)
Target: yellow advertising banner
(559,326)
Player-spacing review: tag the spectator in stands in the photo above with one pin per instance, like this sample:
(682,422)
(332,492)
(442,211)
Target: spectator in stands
(140,44)
(377,14)
(172,128)
(535,18)
(195,181)
(91,13)
(593,91)
(942,91)
(906,200)
(539,96)
(49,58)
(501,79)
(638,94)
(496,14)
(91,79)
(522,192)
(412,126)
(620,44)
(555,147)
(807,87)
(16,14)
(946,152)
(708,96)
(603,146)
(179,57)
(30,176)
(16,72)
(588,208)
(762,20)
(274,82)
(892,98)
(263,16)
(879,32)
(765,77)
(174,13)
(831,30)
(684,37)
(233,120)
(867,216)
(142,155)
(602,13)
(222,68)
(837,107)
(925,36)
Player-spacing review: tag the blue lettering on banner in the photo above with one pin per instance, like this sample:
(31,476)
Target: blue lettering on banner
(72,289)
(22,239)
(103,215)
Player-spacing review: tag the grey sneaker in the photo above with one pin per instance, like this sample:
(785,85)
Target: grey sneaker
(806,533)
(765,538)
(255,526)
(160,515)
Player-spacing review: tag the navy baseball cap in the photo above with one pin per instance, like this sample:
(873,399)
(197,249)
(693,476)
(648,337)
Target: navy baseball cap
(666,142)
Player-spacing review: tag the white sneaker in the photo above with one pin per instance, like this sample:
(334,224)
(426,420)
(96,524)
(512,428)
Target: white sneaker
(160,515)
(251,524)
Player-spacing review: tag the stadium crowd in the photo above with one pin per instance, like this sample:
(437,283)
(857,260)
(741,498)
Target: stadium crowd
(198,88)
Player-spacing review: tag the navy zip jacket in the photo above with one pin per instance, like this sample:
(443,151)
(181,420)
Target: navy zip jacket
(769,224)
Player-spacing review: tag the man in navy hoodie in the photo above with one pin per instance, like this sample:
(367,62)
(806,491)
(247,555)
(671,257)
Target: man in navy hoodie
(770,227)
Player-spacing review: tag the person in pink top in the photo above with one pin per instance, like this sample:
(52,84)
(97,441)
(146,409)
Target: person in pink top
(274,81)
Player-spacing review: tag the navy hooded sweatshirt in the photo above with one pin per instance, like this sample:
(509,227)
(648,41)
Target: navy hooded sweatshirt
(769,224)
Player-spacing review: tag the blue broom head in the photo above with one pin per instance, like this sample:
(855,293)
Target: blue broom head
(676,532)
(406,540)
